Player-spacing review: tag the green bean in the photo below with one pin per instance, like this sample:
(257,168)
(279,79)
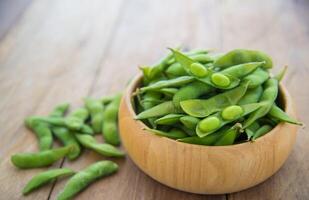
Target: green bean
(256,78)
(85,177)
(59,110)
(240,56)
(262,131)
(168,83)
(175,70)
(203,108)
(228,137)
(66,137)
(279,114)
(174,133)
(90,142)
(267,100)
(40,159)
(250,130)
(252,96)
(46,177)
(189,122)
(159,110)
(215,121)
(169,119)
(207,140)
(186,62)
(110,126)
(96,110)
(191,91)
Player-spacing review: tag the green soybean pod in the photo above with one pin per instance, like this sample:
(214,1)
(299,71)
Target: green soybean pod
(207,140)
(169,92)
(174,133)
(96,110)
(281,74)
(279,114)
(211,78)
(228,137)
(191,91)
(46,177)
(262,131)
(252,96)
(267,100)
(240,56)
(189,122)
(42,132)
(159,110)
(40,159)
(169,119)
(76,119)
(256,78)
(175,70)
(214,122)
(59,110)
(66,137)
(90,142)
(110,123)
(85,177)
(168,83)
(242,70)
(205,107)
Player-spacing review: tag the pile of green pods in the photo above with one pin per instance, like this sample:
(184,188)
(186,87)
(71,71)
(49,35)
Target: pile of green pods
(212,99)
(76,132)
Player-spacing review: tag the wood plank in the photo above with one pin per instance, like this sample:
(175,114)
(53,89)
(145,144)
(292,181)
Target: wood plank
(145,30)
(280,29)
(51,56)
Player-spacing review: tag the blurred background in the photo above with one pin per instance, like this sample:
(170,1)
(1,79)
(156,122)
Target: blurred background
(62,50)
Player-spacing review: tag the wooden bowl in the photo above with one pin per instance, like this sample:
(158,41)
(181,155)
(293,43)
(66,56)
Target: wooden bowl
(205,169)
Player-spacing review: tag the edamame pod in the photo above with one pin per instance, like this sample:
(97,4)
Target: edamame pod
(262,131)
(189,122)
(203,108)
(169,119)
(252,96)
(110,124)
(159,110)
(104,149)
(256,78)
(240,56)
(241,70)
(88,175)
(214,122)
(250,130)
(40,159)
(279,114)
(228,137)
(96,110)
(76,119)
(175,70)
(66,137)
(267,100)
(46,177)
(59,110)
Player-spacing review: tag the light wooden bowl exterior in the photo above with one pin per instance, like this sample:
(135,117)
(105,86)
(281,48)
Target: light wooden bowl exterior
(205,169)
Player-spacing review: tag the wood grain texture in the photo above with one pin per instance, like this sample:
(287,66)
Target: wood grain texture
(64,50)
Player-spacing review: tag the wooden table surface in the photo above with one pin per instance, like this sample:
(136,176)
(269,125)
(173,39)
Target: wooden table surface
(63,50)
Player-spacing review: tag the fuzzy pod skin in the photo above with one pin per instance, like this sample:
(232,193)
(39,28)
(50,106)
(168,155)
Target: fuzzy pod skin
(90,142)
(76,119)
(110,123)
(280,115)
(66,137)
(40,159)
(240,56)
(46,177)
(242,70)
(85,177)
(256,78)
(96,111)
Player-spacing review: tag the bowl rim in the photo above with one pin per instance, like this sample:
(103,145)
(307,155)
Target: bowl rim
(135,81)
